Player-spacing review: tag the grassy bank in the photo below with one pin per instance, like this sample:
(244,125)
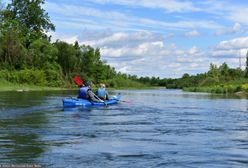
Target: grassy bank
(7,86)
(34,79)
(220,89)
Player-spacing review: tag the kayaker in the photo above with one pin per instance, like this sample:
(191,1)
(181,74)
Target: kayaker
(85,92)
(102,92)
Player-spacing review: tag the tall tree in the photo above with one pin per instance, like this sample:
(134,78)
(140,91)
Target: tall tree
(213,72)
(66,57)
(34,20)
(90,59)
(43,54)
(224,71)
(12,53)
(246,68)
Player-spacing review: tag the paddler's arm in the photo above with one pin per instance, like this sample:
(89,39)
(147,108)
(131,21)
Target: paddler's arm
(92,97)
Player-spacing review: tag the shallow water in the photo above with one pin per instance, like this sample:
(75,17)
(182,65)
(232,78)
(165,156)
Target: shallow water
(152,128)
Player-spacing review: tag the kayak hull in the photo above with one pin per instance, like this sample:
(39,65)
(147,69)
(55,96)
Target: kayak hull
(74,102)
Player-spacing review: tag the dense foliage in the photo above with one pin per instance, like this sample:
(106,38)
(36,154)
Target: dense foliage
(222,79)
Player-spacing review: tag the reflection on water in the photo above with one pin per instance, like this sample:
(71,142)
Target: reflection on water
(19,138)
(153,128)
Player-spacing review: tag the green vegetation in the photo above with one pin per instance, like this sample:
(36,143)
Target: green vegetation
(222,79)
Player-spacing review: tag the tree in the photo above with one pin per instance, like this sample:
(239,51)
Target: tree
(12,52)
(246,68)
(90,59)
(185,76)
(43,54)
(224,71)
(34,21)
(66,57)
(213,72)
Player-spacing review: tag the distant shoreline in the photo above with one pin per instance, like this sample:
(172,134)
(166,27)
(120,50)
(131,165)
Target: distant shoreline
(7,86)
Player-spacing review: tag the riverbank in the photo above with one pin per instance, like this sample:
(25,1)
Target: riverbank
(238,90)
(7,86)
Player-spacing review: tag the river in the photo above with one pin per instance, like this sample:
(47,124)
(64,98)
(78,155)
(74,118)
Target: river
(152,128)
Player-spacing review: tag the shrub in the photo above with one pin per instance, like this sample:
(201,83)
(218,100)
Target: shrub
(26,76)
(54,78)
(244,87)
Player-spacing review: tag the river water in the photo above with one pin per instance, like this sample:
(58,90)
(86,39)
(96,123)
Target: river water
(152,128)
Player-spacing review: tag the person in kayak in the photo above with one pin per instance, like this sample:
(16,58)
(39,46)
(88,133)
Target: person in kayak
(85,92)
(102,92)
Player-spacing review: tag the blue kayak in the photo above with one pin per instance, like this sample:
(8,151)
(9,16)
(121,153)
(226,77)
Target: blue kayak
(74,102)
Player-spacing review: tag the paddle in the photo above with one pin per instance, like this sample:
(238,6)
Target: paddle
(121,100)
(118,97)
(124,101)
(102,101)
(79,82)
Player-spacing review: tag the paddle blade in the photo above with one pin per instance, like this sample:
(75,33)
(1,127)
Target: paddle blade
(77,80)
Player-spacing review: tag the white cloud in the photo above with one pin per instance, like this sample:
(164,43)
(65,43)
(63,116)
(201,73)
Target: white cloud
(118,38)
(192,33)
(217,8)
(169,5)
(235,29)
(193,50)
(225,53)
(231,51)
(106,40)
(78,11)
(141,50)
(193,56)
(66,38)
(80,17)
(236,43)
(238,14)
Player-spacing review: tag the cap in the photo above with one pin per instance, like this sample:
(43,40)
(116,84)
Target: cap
(87,83)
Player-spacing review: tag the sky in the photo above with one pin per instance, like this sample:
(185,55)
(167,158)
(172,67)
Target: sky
(161,38)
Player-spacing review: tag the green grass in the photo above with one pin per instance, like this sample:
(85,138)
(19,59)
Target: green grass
(220,89)
(7,86)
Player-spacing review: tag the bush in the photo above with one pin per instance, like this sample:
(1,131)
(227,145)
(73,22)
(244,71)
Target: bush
(209,81)
(244,87)
(54,78)
(120,82)
(31,76)
(4,74)
(26,76)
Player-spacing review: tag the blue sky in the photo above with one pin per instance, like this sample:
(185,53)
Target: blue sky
(164,38)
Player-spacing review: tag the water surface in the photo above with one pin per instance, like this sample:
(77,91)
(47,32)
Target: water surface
(152,128)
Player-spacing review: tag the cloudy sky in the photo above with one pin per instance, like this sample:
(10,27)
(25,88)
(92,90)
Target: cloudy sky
(164,38)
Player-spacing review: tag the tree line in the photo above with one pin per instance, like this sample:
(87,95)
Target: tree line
(218,79)
(216,75)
